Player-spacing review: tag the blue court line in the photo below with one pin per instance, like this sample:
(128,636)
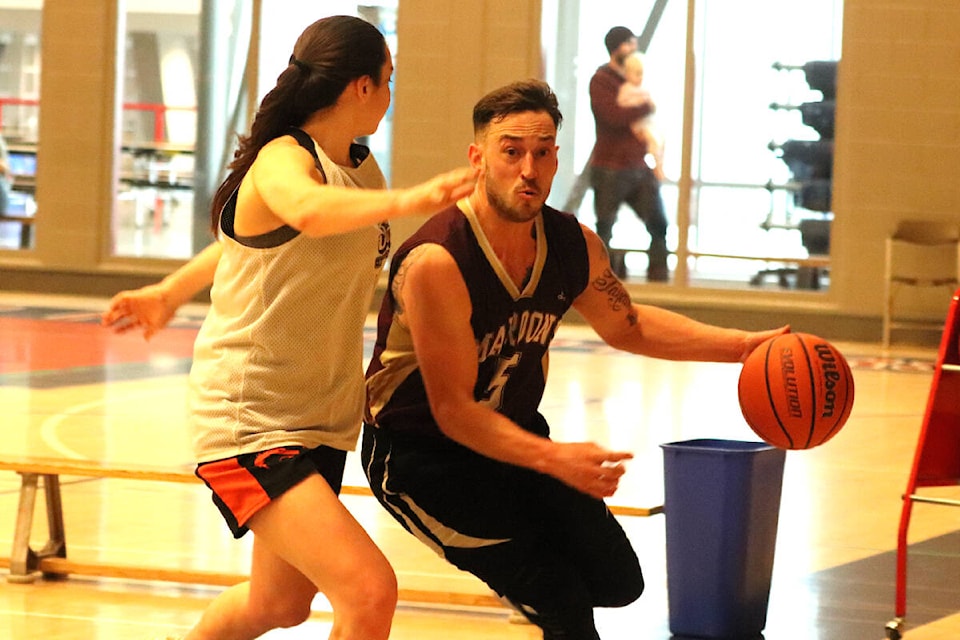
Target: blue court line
(99,374)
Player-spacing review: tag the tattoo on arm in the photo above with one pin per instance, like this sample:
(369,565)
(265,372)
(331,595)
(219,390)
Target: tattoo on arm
(617,296)
(396,287)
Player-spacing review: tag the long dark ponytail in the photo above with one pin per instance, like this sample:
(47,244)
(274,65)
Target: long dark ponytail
(328,55)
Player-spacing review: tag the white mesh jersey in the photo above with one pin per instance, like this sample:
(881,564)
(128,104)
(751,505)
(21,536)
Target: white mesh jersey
(278,360)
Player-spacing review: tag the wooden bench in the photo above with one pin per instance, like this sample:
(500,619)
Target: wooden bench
(50,561)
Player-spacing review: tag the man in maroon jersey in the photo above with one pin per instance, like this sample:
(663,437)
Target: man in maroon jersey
(454,446)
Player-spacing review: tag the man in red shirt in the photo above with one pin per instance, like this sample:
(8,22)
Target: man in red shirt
(618,168)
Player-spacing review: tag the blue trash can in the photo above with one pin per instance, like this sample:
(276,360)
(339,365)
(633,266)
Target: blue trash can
(722,503)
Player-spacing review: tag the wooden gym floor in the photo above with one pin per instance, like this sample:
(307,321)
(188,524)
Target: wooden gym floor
(71,389)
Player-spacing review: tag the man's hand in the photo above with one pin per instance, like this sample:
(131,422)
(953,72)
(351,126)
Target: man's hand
(588,467)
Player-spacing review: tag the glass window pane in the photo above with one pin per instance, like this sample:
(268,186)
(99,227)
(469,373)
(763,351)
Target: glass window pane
(573,41)
(154,205)
(749,90)
(745,201)
(19,115)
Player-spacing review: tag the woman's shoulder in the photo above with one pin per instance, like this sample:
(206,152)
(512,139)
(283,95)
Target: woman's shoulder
(278,146)
(287,151)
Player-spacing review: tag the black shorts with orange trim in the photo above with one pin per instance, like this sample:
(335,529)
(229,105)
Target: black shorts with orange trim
(244,484)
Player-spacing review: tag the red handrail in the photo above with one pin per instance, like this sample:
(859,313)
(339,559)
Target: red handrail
(158,110)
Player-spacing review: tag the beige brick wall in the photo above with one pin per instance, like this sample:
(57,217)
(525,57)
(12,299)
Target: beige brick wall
(450,54)
(77,116)
(898,135)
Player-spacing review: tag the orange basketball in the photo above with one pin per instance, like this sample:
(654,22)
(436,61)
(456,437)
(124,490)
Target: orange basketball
(796,391)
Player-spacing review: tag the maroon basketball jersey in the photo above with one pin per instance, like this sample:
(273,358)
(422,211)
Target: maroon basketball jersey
(512,327)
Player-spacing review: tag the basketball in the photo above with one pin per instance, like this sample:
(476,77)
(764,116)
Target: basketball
(796,391)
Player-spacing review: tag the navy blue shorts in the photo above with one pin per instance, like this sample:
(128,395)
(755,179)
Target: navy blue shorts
(553,552)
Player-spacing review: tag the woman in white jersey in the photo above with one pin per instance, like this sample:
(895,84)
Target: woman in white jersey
(276,387)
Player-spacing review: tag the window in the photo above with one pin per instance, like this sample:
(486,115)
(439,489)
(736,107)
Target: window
(19,100)
(744,222)
(153,214)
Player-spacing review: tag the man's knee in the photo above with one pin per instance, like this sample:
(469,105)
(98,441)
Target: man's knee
(559,620)
(657,228)
(622,591)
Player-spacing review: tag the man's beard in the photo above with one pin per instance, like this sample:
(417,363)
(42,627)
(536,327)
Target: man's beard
(507,212)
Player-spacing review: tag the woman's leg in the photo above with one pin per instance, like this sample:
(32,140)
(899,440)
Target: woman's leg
(244,612)
(306,541)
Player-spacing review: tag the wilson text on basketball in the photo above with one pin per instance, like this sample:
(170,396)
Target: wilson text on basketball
(831,378)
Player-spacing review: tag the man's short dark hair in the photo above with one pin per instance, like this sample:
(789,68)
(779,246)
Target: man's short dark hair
(616,37)
(517,97)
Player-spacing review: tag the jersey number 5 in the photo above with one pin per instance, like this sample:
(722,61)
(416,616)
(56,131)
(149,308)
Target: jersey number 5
(493,396)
